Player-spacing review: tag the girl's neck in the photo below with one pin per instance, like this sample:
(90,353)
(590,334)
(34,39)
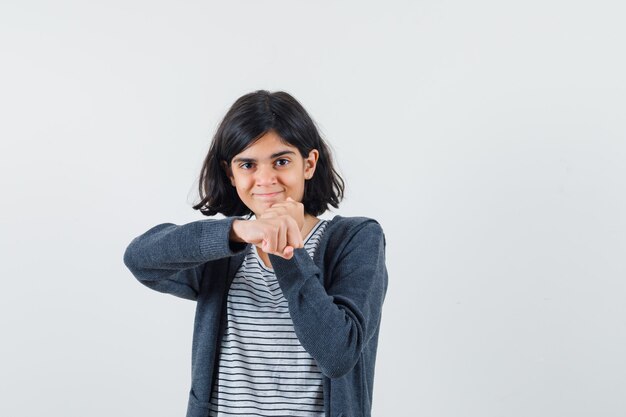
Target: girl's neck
(309,223)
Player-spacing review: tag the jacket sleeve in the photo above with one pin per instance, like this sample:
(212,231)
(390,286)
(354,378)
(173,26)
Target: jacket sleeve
(171,258)
(334,324)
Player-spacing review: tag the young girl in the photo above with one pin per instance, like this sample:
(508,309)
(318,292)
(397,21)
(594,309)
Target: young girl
(288,305)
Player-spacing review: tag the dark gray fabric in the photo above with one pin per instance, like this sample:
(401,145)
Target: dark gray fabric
(335,299)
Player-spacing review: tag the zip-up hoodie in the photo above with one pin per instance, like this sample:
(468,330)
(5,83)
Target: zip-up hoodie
(335,299)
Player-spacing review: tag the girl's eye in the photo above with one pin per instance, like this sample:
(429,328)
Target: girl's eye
(246,165)
(281,162)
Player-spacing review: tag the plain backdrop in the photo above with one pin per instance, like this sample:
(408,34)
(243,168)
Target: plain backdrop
(487,137)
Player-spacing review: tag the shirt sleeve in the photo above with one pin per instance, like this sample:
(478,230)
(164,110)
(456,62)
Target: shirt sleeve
(171,258)
(334,324)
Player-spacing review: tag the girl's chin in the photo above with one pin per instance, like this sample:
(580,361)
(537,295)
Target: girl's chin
(260,207)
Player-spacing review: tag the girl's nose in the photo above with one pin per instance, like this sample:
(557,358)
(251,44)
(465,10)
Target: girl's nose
(265,175)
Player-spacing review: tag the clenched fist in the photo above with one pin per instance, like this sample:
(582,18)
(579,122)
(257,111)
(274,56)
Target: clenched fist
(277,231)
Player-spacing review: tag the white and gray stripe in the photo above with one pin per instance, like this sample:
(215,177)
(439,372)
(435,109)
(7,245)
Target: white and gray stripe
(263,368)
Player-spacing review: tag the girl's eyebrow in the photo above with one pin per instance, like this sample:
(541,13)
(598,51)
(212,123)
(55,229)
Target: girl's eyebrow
(272,156)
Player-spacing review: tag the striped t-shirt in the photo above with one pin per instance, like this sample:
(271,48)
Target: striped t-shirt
(263,368)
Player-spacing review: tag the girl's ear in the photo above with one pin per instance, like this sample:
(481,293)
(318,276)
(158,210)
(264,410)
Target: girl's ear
(229,172)
(310,162)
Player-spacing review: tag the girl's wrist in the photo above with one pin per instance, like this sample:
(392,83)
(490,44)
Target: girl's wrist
(235,229)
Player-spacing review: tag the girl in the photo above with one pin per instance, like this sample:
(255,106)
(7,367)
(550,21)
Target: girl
(288,305)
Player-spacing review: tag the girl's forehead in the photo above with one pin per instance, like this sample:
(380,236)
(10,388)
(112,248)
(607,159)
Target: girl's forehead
(266,147)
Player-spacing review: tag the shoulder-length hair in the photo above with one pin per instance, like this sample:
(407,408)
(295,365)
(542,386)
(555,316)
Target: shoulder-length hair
(249,118)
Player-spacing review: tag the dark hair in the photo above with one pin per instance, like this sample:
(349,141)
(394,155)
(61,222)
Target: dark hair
(249,118)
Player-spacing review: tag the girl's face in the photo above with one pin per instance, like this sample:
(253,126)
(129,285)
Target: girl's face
(269,171)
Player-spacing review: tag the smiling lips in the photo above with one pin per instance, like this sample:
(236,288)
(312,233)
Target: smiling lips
(268,195)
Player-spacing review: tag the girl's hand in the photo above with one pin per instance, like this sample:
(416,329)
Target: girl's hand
(289,207)
(278,235)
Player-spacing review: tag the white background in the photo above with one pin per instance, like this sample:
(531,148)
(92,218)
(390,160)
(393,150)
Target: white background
(487,137)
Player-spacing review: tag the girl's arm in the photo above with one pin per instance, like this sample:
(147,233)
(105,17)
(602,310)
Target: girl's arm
(335,324)
(171,259)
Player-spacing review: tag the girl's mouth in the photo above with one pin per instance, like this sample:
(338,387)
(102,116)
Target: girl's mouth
(267,195)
